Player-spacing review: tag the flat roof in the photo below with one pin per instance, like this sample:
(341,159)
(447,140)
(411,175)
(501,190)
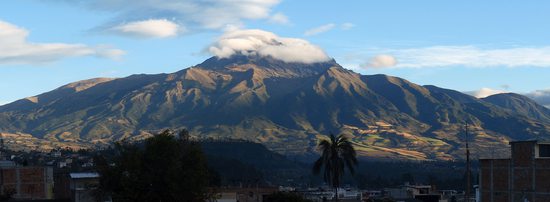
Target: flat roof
(84,175)
(7,164)
(543,141)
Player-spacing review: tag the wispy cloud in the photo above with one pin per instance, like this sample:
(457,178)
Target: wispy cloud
(320,29)
(15,49)
(540,96)
(381,61)
(470,56)
(347,26)
(279,18)
(194,15)
(485,92)
(327,27)
(267,44)
(149,28)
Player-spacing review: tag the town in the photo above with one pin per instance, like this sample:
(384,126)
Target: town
(69,175)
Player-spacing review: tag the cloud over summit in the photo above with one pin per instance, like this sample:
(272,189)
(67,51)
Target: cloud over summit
(265,43)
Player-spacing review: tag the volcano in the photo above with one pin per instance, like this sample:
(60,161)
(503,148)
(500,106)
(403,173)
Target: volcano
(285,106)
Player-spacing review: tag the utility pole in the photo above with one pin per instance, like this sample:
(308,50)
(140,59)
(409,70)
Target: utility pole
(468,178)
(2,149)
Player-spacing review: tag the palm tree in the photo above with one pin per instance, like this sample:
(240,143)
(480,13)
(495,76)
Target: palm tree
(337,153)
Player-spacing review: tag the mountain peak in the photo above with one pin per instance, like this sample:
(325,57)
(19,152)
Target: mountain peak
(267,63)
(263,61)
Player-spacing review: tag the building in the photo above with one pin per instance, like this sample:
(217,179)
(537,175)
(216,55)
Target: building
(62,183)
(29,183)
(83,186)
(244,194)
(408,192)
(523,177)
(372,194)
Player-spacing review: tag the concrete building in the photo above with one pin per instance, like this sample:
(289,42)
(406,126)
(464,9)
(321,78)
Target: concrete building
(523,177)
(408,191)
(26,182)
(83,186)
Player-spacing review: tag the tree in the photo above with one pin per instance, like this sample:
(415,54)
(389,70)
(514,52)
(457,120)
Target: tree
(163,168)
(337,153)
(407,178)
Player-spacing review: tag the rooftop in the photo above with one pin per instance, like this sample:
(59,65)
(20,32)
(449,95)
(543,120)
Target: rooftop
(538,141)
(6,164)
(84,175)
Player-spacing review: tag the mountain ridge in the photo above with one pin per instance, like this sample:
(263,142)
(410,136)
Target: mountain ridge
(285,106)
(520,104)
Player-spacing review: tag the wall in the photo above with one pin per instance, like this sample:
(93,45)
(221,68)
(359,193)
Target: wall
(521,177)
(28,182)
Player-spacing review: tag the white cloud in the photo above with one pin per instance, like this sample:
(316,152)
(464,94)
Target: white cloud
(540,96)
(15,49)
(107,52)
(471,56)
(485,92)
(160,28)
(194,15)
(267,44)
(279,18)
(347,26)
(540,93)
(320,29)
(327,27)
(381,61)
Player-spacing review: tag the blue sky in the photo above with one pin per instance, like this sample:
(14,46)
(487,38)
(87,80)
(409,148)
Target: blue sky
(463,45)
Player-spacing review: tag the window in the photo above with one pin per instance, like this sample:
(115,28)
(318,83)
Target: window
(544,150)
